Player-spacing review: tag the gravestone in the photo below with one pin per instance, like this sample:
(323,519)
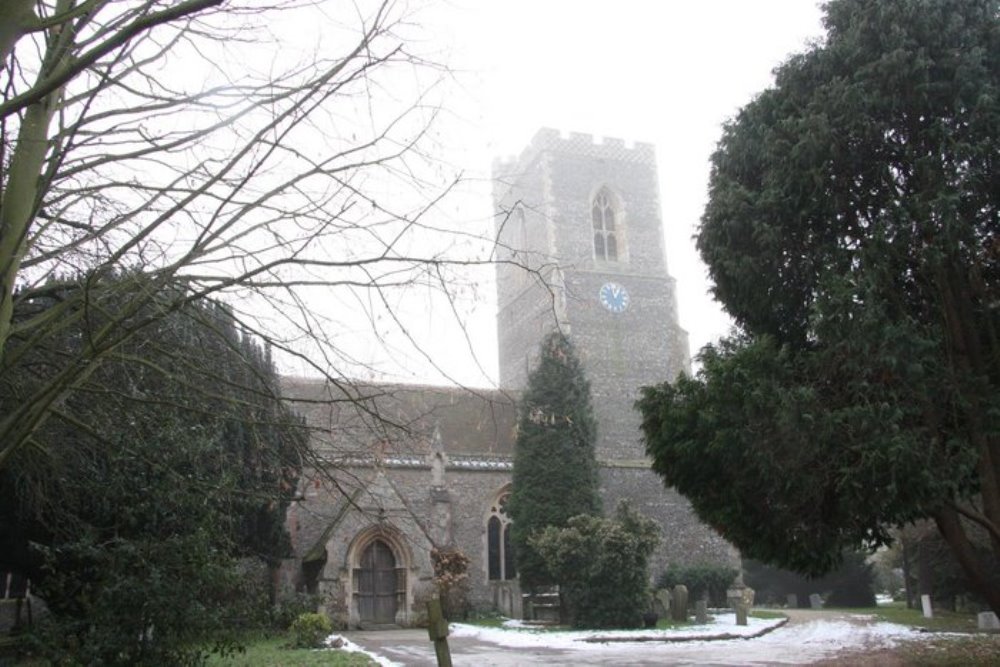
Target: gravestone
(679,603)
(738,594)
(742,611)
(793,601)
(988,620)
(815,601)
(701,611)
(661,602)
(925,603)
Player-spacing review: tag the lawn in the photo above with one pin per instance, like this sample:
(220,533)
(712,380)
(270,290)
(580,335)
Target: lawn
(975,649)
(943,621)
(271,651)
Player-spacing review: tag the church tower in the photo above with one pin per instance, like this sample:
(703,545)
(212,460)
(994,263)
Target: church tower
(584,218)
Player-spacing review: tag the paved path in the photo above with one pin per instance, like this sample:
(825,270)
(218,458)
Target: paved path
(805,639)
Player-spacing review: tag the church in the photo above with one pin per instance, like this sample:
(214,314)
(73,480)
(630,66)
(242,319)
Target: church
(409,468)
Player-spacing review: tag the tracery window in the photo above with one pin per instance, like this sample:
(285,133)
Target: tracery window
(603,217)
(500,555)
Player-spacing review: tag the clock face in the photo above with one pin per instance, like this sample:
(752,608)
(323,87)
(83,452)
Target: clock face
(614,297)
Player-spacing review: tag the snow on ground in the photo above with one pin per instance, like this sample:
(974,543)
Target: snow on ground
(793,644)
(516,633)
(803,641)
(347,645)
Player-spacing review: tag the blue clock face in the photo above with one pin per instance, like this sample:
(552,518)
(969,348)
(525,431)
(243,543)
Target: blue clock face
(614,297)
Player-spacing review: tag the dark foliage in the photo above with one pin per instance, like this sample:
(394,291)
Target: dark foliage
(601,566)
(169,464)
(702,581)
(555,471)
(852,232)
(850,585)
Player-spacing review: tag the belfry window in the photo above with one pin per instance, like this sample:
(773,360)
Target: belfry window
(602,214)
(500,555)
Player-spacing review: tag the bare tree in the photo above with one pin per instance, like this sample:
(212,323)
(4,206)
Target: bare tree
(165,139)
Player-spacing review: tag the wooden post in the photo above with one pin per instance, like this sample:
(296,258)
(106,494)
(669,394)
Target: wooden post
(437,628)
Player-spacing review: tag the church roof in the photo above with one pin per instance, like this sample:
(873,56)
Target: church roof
(397,422)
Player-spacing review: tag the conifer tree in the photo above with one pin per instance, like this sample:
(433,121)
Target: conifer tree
(555,471)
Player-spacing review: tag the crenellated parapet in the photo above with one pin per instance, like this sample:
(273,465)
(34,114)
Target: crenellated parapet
(576,143)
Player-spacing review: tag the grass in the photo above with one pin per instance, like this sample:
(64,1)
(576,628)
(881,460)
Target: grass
(271,651)
(972,651)
(943,621)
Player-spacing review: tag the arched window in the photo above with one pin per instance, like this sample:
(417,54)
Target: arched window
(603,217)
(499,554)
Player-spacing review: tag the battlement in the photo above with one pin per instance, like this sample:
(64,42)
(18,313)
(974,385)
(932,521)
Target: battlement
(577,143)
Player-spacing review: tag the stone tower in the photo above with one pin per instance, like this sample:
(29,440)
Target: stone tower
(584,217)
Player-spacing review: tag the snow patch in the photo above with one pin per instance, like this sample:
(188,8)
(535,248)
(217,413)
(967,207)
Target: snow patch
(344,644)
(800,643)
(517,634)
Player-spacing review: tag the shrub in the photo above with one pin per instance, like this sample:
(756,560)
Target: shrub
(601,567)
(850,585)
(309,630)
(287,608)
(702,581)
(451,575)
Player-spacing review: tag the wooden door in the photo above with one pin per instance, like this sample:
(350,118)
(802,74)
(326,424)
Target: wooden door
(377,584)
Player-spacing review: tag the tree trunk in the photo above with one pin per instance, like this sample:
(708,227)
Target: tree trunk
(16,17)
(907,585)
(950,525)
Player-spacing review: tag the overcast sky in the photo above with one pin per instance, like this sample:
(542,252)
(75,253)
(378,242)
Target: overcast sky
(669,73)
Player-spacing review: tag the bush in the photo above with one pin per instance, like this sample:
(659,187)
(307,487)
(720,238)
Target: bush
(850,585)
(702,581)
(601,567)
(309,630)
(289,607)
(130,608)
(451,575)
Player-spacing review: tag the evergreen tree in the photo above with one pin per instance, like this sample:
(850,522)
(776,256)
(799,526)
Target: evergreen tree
(852,233)
(555,471)
(173,461)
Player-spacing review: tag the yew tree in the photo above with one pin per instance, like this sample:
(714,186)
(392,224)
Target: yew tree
(853,233)
(555,469)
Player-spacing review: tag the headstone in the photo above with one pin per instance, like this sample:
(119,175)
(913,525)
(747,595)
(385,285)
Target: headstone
(925,602)
(701,611)
(815,601)
(661,605)
(793,601)
(740,594)
(733,596)
(988,621)
(741,613)
(679,603)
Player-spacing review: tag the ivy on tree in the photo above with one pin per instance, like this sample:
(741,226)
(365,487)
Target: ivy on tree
(555,471)
(853,233)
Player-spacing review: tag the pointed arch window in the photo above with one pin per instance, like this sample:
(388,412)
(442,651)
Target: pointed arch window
(500,555)
(605,221)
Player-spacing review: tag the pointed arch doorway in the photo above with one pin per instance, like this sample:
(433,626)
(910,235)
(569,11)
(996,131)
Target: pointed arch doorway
(377,583)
